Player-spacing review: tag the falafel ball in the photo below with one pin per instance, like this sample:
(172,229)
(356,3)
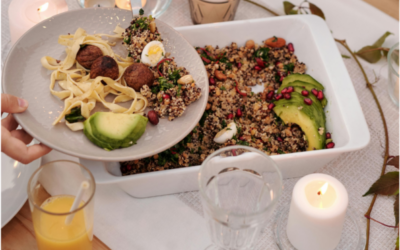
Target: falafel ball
(104,66)
(87,55)
(138,75)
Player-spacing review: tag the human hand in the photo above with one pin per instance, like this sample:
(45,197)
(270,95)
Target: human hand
(14,142)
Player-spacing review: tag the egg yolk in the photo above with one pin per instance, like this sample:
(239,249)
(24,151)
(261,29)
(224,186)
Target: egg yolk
(154,54)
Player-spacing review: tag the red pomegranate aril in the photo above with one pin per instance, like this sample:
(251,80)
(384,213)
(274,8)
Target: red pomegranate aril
(314,91)
(270,95)
(284,91)
(281,79)
(304,93)
(271,106)
(290,47)
(330,145)
(165,96)
(278,96)
(260,62)
(128,167)
(212,81)
(242,138)
(230,116)
(239,65)
(328,135)
(239,113)
(287,96)
(277,63)
(257,68)
(320,95)
(279,139)
(308,101)
(281,73)
(290,89)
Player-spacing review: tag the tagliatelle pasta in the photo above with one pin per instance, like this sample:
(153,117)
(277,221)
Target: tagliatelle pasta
(79,90)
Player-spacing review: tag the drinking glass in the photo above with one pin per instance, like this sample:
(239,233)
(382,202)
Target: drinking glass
(52,190)
(393,79)
(240,187)
(212,11)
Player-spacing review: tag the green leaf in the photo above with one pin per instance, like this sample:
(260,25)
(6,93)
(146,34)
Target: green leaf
(75,115)
(396,211)
(394,162)
(316,11)
(381,40)
(288,6)
(370,54)
(387,184)
(347,57)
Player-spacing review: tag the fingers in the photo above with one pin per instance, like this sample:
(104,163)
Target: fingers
(9,122)
(22,135)
(17,150)
(12,104)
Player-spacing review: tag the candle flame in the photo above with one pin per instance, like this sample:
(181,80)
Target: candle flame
(43,7)
(323,189)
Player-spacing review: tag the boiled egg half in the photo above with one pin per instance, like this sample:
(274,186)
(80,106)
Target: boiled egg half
(226,134)
(152,53)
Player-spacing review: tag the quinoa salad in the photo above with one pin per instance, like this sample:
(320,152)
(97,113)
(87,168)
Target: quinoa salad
(172,89)
(232,70)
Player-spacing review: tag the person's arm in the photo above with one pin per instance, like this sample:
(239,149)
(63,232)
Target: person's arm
(14,142)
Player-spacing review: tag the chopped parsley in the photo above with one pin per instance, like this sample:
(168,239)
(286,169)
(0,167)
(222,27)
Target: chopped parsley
(127,40)
(280,152)
(164,84)
(262,53)
(244,143)
(223,123)
(275,39)
(222,88)
(75,115)
(178,92)
(174,76)
(204,117)
(289,67)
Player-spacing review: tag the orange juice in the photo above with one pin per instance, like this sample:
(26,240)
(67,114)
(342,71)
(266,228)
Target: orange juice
(53,234)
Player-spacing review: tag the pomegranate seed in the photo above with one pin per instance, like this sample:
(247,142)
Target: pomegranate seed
(239,65)
(320,95)
(308,101)
(330,145)
(281,73)
(281,79)
(277,63)
(284,91)
(328,135)
(239,113)
(287,96)
(290,47)
(270,95)
(241,138)
(128,167)
(260,62)
(304,93)
(165,96)
(314,91)
(278,96)
(257,68)
(290,89)
(279,139)
(212,81)
(230,116)
(271,106)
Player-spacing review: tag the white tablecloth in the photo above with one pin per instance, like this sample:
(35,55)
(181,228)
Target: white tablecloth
(176,222)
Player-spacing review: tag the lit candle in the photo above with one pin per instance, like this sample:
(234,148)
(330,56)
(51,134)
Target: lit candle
(23,14)
(317,213)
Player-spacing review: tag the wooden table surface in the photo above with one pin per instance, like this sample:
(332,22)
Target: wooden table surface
(18,234)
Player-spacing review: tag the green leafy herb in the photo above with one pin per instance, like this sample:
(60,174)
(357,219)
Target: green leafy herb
(178,92)
(275,39)
(244,143)
(280,152)
(164,84)
(204,117)
(141,12)
(83,46)
(222,88)
(289,67)
(127,40)
(277,78)
(160,100)
(75,115)
(228,129)
(262,53)
(223,123)
(155,89)
(174,76)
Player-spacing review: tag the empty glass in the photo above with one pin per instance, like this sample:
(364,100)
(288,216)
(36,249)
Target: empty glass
(239,188)
(212,11)
(393,80)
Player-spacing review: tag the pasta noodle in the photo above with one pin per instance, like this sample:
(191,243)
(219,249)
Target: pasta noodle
(78,90)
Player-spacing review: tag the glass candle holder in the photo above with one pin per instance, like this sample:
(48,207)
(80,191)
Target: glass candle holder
(393,78)
(240,187)
(52,190)
(212,11)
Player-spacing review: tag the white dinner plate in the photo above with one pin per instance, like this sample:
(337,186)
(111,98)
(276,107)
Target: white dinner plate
(24,76)
(14,182)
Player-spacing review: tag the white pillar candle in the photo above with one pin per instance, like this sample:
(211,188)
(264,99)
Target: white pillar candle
(317,213)
(23,14)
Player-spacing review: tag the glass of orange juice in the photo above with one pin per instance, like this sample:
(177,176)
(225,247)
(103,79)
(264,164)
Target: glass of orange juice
(52,191)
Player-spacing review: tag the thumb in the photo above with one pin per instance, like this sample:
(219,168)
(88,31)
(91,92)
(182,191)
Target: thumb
(12,104)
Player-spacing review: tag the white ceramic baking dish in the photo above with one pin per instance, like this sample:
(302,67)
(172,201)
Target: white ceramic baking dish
(315,47)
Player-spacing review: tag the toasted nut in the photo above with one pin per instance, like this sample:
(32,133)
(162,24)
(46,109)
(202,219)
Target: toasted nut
(250,44)
(208,106)
(217,92)
(275,42)
(219,75)
(167,101)
(185,79)
(256,106)
(152,26)
(155,156)
(153,117)
(253,131)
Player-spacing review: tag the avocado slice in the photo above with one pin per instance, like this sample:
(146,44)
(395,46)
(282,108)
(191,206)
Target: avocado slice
(303,78)
(114,130)
(310,118)
(300,86)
